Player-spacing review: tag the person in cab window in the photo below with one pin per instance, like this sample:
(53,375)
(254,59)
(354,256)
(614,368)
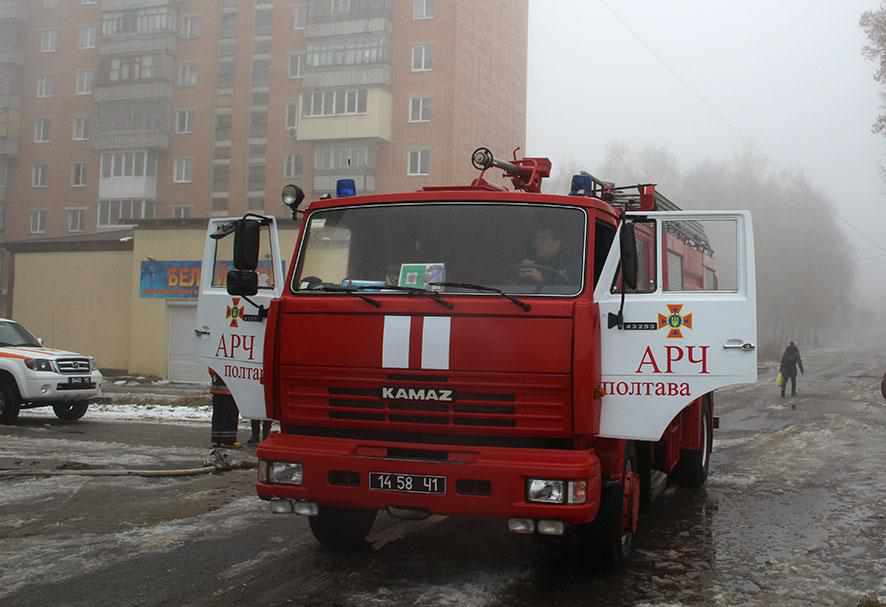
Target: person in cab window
(546,263)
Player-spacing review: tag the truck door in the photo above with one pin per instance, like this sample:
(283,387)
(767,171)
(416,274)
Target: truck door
(689,326)
(229,329)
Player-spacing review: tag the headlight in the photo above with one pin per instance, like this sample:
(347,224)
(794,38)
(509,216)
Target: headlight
(39,364)
(91,364)
(547,491)
(285,473)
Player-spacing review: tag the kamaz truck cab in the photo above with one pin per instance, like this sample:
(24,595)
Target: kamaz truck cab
(546,360)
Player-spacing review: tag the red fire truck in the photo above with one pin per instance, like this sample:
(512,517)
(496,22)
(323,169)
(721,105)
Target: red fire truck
(543,359)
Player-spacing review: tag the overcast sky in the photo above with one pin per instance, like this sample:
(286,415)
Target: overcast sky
(706,78)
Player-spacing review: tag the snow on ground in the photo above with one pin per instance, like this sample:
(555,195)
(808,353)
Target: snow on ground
(139,412)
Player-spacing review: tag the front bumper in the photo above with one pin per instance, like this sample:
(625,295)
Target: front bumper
(504,469)
(55,387)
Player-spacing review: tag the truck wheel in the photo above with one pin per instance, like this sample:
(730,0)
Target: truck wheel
(611,536)
(695,463)
(10,404)
(342,530)
(883,386)
(70,411)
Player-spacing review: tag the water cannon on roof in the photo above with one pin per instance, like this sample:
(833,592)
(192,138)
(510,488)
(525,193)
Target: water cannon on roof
(525,173)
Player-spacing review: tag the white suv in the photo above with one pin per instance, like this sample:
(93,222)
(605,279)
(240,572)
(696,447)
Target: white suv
(34,376)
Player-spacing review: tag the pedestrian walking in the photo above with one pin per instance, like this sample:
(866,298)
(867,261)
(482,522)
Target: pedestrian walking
(790,361)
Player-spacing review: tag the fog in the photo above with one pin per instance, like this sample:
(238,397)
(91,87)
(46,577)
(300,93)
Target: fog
(693,94)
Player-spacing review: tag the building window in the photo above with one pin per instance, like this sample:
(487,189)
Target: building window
(421,58)
(149,20)
(183,122)
(296,65)
(419,162)
(74,220)
(79,130)
(48,41)
(38,221)
(181,212)
(78,174)
(85,80)
(258,124)
(40,175)
(117,212)
(190,27)
(292,118)
(129,164)
(223,123)
(88,2)
(45,87)
(183,170)
(256,178)
(138,67)
(225,75)
(293,166)
(87,36)
(299,16)
(419,109)
(4,174)
(41,130)
(263,46)
(221,175)
(342,157)
(264,22)
(336,102)
(422,9)
(256,203)
(187,74)
(219,204)
(2,217)
(261,72)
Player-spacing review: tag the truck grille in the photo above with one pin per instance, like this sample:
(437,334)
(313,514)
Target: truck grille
(459,413)
(73,366)
(461,403)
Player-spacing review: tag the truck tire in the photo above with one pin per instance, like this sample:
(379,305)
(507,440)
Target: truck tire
(10,404)
(883,386)
(695,463)
(70,411)
(608,541)
(342,530)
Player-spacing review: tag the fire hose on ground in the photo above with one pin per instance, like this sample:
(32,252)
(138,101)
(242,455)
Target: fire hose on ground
(219,461)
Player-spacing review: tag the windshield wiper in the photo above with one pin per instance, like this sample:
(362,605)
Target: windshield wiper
(356,292)
(413,291)
(467,285)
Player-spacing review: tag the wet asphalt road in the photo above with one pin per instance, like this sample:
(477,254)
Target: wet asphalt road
(794,513)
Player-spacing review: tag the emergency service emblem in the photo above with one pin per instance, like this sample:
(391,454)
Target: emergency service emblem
(674,321)
(235,312)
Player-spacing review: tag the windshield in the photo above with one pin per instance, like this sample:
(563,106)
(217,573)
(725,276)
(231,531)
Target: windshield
(13,334)
(518,248)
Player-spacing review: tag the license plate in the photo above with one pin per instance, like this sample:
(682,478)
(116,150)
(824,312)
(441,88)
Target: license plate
(79,381)
(408,483)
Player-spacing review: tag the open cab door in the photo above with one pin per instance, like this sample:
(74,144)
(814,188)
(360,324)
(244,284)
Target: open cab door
(685,327)
(231,328)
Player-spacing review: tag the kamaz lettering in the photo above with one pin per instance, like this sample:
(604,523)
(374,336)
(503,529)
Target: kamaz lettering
(394,393)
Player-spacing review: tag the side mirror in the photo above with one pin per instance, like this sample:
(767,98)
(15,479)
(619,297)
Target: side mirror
(629,257)
(243,283)
(247,237)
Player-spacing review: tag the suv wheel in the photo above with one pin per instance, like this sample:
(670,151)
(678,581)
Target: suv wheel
(70,411)
(10,404)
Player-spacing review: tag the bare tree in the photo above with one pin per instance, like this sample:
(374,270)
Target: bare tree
(874,25)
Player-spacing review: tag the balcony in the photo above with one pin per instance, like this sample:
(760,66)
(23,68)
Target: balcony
(13,9)
(348,76)
(12,55)
(8,146)
(155,42)
(347,27)
(131,139)
(122,188)
(125,5)
(9,102)
(374,124)
(131,90)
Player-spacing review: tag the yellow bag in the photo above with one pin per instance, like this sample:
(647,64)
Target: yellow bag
(779,379)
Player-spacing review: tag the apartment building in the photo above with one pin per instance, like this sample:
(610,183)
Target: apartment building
(112,111)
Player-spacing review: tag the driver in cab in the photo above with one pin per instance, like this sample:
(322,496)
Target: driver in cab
(545,264)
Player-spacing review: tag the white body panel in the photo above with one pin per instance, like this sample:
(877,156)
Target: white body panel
(649,375)
(230,345)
